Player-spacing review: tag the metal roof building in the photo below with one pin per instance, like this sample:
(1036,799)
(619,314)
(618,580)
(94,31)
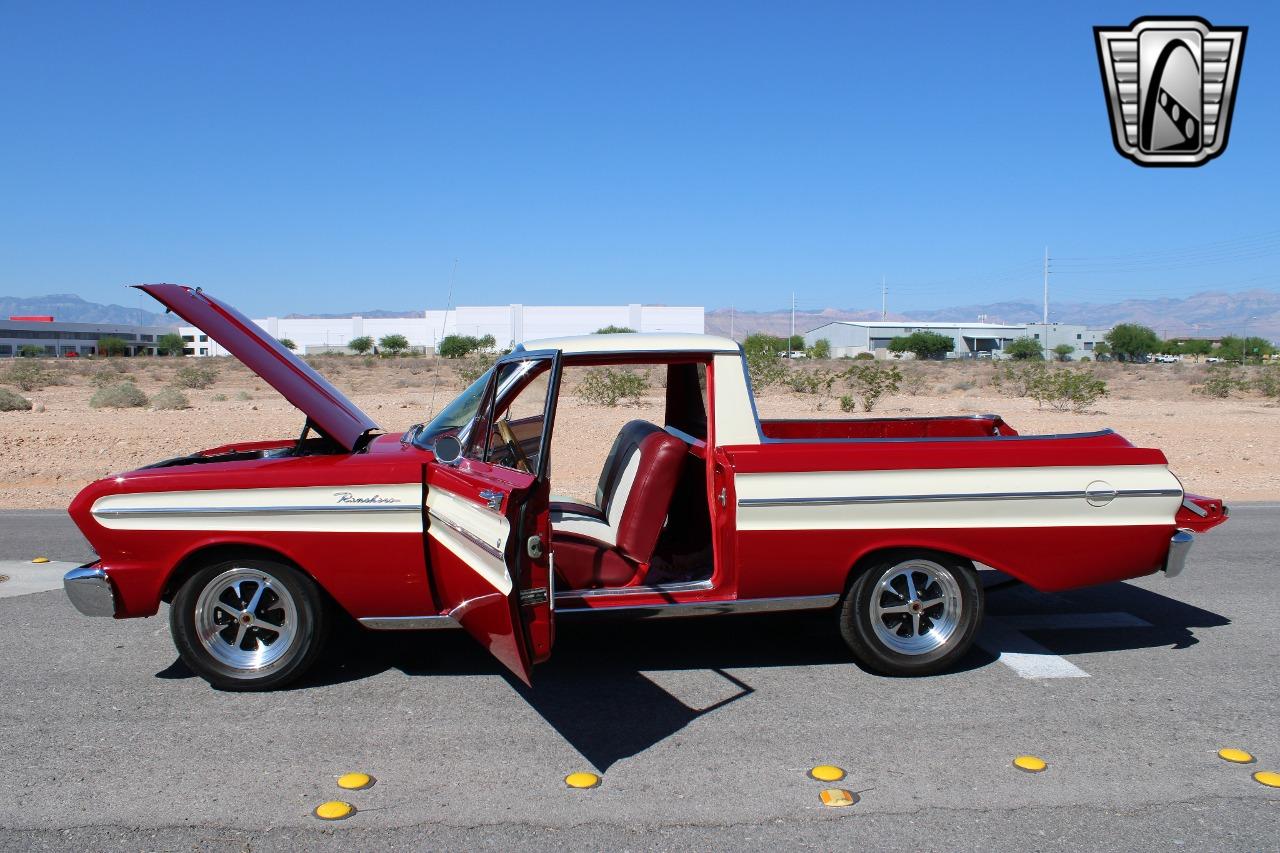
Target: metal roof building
(851,337)
(53,338)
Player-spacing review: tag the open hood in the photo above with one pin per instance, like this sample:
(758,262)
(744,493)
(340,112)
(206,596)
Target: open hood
(325,406)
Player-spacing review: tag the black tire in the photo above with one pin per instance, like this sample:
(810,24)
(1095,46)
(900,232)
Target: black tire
(945,630)
(236,656)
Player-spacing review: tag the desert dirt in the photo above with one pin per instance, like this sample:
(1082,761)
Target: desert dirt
(1227,448)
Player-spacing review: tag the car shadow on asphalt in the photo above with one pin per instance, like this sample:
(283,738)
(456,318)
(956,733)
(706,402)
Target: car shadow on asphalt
(602,689)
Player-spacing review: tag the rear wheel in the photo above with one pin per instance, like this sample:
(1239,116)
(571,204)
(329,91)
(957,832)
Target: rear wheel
(913,613)
(251,624)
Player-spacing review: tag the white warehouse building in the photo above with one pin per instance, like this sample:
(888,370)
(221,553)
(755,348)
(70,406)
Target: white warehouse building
(971,340)
(509,325)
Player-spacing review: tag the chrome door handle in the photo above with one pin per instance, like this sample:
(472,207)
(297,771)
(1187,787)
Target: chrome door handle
(492,499)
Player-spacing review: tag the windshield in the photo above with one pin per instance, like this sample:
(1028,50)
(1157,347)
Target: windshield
(458,414)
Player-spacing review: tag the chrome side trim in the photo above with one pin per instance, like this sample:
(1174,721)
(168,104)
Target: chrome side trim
(90,591)
(939,498)
(143,511)
(663,589)
(1179,548)
(467,534)
(709,608)
(409,623)
(1192,506)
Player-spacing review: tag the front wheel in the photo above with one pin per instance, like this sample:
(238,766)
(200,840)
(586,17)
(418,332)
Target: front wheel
(912,613)
(251,624)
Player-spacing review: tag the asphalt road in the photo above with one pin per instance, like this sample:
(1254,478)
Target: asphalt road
(702,730)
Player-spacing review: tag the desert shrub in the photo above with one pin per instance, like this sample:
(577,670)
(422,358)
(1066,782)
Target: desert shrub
(219,398)
(1025,348)
(1219,381)
(170,398)
(12,402)
(819,382)
(1076,390)
(29,375)
(471,369)
(615,330)
(964,385)
(608,387)
(1018,380)
(124,395)
(360,345)
(848,403)
(765,368)
(112,346)
(195,376)
(243,395)
(821,349)
(1267,381)
(871,381)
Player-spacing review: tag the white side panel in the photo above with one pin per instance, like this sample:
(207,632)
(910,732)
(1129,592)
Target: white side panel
(957,497)
(735,411)
(389,508)
(476,535)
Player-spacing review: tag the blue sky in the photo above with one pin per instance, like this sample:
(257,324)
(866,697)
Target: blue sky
(333,157)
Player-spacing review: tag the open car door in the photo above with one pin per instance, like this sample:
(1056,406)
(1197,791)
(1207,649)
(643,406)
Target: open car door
(488,516)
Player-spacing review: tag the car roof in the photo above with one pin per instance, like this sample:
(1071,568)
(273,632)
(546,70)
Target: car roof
(633,342)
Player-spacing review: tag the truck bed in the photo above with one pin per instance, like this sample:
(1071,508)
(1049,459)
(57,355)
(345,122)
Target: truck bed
(956,426)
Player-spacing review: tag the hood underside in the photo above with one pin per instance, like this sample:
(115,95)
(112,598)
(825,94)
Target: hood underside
(324,405)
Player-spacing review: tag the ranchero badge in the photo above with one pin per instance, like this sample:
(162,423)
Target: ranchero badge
(1170,85)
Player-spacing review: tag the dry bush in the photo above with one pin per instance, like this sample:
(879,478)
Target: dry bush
(608,387)
(170,399)
(13,402)
(28,374)
(243,395)
(195,376)
(124,395)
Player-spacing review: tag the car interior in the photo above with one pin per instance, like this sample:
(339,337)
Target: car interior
(649,523)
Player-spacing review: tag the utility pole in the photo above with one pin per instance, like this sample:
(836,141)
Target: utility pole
(1046,303)
(884,300)
(731,323)
(793,324)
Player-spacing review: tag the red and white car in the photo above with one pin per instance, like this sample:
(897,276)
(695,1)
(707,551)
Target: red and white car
(455,523)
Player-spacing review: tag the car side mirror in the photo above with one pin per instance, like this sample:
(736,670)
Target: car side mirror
(448,449)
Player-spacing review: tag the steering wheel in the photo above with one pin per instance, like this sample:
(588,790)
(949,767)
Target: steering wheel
(517,453)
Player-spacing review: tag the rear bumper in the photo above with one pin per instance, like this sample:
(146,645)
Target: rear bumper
(1179,548)
(90,590)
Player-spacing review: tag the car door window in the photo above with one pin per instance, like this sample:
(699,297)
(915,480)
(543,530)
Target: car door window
(511,432)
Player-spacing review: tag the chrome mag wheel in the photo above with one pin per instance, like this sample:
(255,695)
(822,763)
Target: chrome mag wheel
(915,606)
(246,619)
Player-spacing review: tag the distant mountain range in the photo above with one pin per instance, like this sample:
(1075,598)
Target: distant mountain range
(69,308)
(1205,314)
(1209,314)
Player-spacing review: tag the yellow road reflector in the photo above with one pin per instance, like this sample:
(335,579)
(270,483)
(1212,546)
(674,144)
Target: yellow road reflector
(582,780)
(355,781)
(1029,763)
(40,560)
(334,810)
(1236,756)
(827,773)
(835,798)
(1267,777)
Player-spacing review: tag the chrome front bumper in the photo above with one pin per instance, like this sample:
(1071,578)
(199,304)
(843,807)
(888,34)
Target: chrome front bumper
(1179,547)
(90,591)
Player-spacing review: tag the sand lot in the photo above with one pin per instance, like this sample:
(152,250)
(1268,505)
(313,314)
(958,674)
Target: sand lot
(1222,447)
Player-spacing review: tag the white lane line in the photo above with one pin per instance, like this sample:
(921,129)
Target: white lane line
(1003,637)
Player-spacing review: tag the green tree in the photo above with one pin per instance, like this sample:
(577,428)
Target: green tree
(1062,351)
(821,349)
(360,345)
(457,346)
(1252,347)
(1025,348)
(171,344)
(30,351)
(486,343)
(1133,341)
(926,345)
(760,343)
(288,344)
(796,343)
(615,330)
(1102,350)
(393,344)
(112,346)
(1195,346)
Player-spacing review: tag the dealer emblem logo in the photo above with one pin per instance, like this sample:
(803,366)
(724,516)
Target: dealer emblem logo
(1170,85)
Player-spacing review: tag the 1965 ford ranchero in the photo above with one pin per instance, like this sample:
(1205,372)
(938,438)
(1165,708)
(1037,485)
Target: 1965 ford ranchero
(713,511)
